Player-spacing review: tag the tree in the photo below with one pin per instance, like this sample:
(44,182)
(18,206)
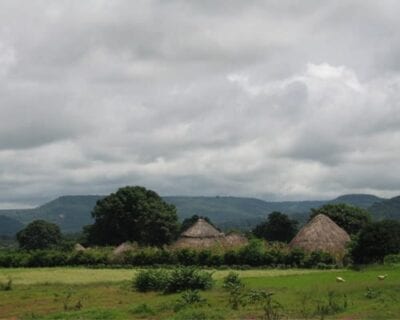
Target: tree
(348,217)
(278,227)
(39,234)
(375,241)
(133,214)
(188,222)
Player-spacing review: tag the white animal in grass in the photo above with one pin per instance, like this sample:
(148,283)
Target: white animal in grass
(340,279)
(382,277)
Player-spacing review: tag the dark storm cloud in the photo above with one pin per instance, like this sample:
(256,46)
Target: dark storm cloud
(275,99)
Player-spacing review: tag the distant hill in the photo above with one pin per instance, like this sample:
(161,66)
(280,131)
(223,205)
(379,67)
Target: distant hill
(359,200)
(9,226)
(71,213)
(387,209)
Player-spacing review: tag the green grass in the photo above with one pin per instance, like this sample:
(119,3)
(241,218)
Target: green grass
(79,293)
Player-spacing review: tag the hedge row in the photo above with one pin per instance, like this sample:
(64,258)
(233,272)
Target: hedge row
(252,255)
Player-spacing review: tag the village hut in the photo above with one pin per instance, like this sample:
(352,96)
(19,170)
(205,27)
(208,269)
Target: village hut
(124,247)
(235,239)
(79,247)
(201,235)
(322,234)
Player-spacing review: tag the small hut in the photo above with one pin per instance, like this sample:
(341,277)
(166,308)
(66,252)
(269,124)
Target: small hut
(235,239)
(322,234)
(199,236)
(124,247)
(79,247)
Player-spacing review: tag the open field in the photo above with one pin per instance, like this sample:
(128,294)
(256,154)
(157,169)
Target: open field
(107,294)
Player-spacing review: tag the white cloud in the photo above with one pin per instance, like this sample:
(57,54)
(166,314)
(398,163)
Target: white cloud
(259,98)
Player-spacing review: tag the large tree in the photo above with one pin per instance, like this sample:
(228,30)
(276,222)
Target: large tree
(278,227)
(348,217)
(39,234)
(375,241)
(133,214)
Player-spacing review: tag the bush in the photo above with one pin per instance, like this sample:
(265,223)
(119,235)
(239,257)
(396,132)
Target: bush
(231,280)
(151,280)
(182,279)
(392,259)
(171,281)
(253,253)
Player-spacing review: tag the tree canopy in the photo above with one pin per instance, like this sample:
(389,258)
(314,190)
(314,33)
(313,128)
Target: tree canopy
(278,227)
(133,214)
(375,241)
(39,234)
(348,217)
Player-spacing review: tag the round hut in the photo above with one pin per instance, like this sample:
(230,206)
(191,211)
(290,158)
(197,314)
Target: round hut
(199,236)
(322,234)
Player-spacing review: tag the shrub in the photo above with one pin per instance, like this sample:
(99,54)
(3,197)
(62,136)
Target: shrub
(151,280)
(253,253)
(187,257)
(231,280)
(171,281)
(6,286)
(189,298)
(392,259)
(188,279)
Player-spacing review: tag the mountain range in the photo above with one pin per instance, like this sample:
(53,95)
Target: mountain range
(71,213)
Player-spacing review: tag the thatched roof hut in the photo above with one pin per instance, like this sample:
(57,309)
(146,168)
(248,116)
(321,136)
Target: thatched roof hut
(322,234)
(79,247)
(202,235)
(124,247)
(235,239)
(199,236)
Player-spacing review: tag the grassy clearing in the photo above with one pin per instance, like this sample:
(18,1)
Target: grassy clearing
(78,293)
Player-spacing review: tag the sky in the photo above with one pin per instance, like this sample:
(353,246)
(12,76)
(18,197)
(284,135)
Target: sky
(279,100)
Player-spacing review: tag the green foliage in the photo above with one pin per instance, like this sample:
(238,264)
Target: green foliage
(273,310)
(371,293)
(332,304)
(133,214)
(39,234)
(182,279)
(232,280)
(375,241)
(7,286)
(392,259)
(350,218)
(278,227)
(253,253)
(143,310)
(171,281)
(151,280)
(189,298)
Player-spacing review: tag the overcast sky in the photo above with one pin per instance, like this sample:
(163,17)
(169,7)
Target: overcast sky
(269,99)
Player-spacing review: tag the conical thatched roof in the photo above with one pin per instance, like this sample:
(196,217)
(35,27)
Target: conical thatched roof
(124,247)
(321,234)
(79,247)
(202,229)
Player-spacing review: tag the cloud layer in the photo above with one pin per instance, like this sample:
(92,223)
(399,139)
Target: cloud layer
(269,99)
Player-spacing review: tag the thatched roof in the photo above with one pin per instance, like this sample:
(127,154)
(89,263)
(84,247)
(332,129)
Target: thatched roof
(124,247)
(79,247)
(235,239)
(202,229)
(321,234)
(203,235)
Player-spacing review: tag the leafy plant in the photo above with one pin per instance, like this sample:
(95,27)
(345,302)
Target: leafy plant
(273,310)
(7,286)
(189,298)
(372,293)
(151,280)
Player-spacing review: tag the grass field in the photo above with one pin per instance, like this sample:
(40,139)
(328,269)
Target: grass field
(79,293)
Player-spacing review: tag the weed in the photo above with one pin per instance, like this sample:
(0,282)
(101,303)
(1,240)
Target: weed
(7,286)
(372,293)
(189,298)
(273,310)
(143,310)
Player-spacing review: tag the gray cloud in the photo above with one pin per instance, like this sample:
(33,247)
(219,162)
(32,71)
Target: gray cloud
(279,100)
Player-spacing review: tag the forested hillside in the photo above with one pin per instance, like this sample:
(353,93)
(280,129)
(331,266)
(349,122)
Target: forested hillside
(71,213)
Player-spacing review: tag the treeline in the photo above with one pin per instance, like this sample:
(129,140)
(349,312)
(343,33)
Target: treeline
(255,254)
